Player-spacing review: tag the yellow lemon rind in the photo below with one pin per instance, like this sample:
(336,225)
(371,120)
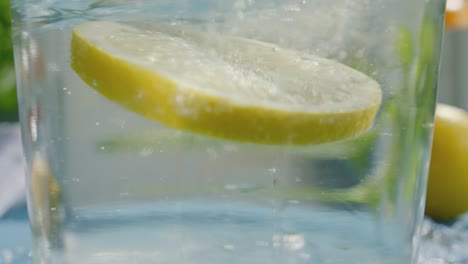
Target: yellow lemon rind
(152,95)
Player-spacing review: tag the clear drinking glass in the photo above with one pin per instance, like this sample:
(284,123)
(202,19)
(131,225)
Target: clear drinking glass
(107,185)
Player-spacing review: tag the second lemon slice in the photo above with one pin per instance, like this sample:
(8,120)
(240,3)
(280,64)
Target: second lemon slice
(226,87)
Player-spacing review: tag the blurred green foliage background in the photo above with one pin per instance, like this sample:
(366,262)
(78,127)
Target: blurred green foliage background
(8,101)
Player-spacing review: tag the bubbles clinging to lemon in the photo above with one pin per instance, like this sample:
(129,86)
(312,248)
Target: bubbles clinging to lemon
(223,86)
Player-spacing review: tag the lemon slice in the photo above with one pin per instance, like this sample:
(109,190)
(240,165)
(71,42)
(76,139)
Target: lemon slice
(221,86)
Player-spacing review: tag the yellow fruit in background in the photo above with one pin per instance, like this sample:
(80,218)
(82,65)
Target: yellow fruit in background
(447,191)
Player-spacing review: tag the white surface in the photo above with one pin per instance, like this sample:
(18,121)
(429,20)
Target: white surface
(12,180)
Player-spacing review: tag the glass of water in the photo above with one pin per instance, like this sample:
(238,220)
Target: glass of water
(216,131)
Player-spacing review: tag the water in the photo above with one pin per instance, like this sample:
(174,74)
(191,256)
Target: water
(176,232)
(109,186)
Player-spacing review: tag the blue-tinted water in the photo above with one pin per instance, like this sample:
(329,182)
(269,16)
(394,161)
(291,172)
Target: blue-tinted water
(210,232)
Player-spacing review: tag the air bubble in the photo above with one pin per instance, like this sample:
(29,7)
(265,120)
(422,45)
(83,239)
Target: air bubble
(212,153)
(179,99)
(229,247)
(147,151)
(272,170)
(7,256)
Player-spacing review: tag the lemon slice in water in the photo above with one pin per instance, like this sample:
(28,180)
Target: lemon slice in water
(221,86)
